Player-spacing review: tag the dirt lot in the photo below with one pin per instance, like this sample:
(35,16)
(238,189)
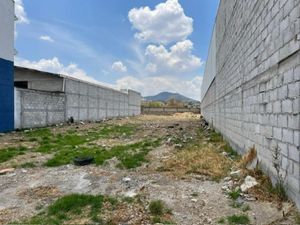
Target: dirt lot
(146,170)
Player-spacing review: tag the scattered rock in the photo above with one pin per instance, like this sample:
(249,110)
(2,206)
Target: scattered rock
(178,146)
(248,183)
(249,198)
(8,170)
(126,179)
(82,123)
(169,140)
(194,200)
(227,179)
(240,201)
(131,194)
(236,174)
(225,154)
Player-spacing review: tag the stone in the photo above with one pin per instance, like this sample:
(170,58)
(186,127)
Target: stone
(236,173)
(126,179)
(8,170)
(248,183)
(178,146)
(131,194)
(194,200)
(227,179)
(225,154)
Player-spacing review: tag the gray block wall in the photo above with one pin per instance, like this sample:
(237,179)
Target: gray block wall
(86,101)
(50,94)
(38,108)
(255,96)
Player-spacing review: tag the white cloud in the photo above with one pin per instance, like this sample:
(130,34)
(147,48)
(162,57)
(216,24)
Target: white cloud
(55,66)
(20,12)
(119,67)
(153,85)
(46,38)
(178,60)
(165,24)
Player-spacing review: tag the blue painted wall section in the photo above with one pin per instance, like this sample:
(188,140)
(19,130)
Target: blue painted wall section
(6,95)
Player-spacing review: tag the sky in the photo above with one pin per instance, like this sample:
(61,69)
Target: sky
(146,45)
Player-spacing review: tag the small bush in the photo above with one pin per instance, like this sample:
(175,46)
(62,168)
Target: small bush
(156,207)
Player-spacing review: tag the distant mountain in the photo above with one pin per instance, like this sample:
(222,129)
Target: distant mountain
(165,96)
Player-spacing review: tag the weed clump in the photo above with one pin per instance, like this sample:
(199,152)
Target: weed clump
(160,213)
(9,153)
(238,219)
(235,194)
(156,207)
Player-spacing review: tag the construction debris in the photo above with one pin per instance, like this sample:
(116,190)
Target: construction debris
(248,183)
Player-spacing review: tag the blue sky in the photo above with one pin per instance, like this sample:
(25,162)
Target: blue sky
(147,45)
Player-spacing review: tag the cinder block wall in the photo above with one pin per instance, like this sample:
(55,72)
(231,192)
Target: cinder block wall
(254,98)
(53,98)
(38,108)
(85,101)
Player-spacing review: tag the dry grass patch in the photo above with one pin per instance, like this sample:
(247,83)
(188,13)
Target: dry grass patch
(40,193)
(208,154)
(205,161)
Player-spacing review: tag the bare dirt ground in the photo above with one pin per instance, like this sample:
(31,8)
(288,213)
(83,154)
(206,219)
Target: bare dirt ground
(193,197)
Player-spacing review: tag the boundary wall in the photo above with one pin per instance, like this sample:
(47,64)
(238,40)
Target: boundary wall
(254,96)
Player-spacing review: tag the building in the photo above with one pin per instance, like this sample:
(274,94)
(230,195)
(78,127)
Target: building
(251,86)
(7,18)
(43,99)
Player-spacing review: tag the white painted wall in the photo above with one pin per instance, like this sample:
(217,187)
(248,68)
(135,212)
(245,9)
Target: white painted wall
(7,16)
(17,109)
(210,68)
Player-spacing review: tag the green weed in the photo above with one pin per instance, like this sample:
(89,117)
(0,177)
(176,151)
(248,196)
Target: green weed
(221,221)
(9,153)
(238,219)
(235,194)
(130,156)
(28,165)
(215,136)
(64,208)
(156,208)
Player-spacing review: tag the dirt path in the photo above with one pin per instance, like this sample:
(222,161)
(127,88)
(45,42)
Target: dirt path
(194,199)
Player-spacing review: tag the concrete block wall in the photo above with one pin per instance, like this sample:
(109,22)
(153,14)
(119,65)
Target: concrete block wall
(134,100)
(254,98)
(86,101)
(38,108)
(82,100)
